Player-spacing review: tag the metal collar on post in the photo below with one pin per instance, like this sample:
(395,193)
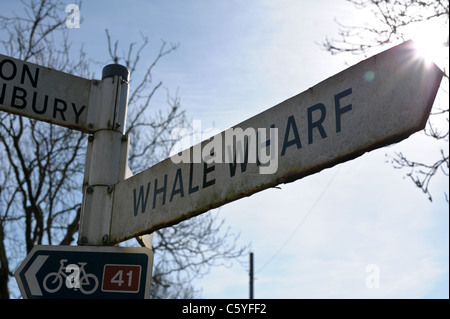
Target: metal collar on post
(115,69)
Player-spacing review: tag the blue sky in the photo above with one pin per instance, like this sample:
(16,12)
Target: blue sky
(313,238)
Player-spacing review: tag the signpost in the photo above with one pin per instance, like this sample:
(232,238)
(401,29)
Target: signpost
(48,95)
(55,272)
(379,101)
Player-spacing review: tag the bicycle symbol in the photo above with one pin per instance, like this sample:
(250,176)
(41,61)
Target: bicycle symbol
(74,276)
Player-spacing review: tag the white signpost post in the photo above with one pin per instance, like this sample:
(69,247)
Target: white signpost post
(379,101)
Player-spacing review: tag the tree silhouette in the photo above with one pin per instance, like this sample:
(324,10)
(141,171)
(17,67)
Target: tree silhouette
(42,165)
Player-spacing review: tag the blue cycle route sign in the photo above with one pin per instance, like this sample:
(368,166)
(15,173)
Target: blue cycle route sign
(82,272)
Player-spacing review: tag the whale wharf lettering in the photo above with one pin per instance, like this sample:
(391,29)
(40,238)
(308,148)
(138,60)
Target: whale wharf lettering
(189,177)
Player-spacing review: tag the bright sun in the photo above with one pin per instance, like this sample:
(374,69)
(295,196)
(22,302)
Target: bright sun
(430,42)
(428,46)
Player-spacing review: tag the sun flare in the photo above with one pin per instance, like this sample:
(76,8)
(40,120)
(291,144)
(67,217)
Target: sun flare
(431,43)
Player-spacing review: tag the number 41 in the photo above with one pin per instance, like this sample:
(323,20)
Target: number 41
(118,278)
(121,278)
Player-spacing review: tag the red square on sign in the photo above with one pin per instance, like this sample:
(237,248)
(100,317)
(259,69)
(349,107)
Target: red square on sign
(121,278)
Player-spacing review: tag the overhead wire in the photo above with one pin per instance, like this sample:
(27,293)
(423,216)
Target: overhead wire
(300,223)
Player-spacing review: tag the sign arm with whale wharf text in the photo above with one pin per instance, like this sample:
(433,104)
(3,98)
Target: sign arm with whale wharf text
(48,95)
(379,101)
